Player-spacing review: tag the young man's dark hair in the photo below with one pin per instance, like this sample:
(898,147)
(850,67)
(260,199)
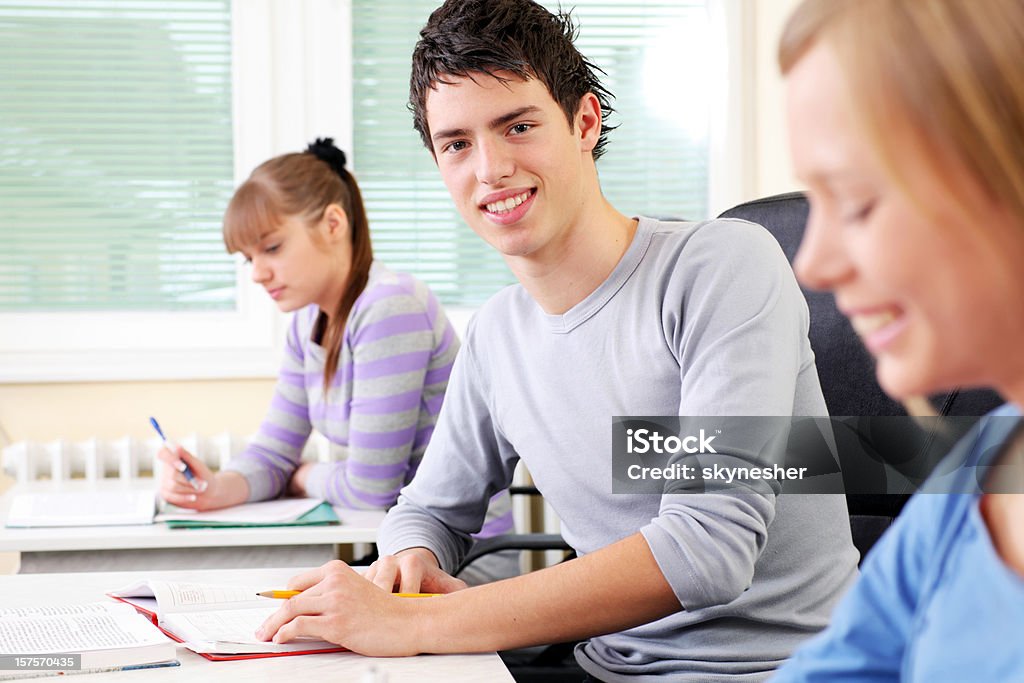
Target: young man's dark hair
(515,36)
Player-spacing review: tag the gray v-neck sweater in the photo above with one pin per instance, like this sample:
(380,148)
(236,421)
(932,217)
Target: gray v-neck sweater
(696,319)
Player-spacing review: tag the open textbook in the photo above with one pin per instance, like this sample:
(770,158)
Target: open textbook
(107,636)
(215,621)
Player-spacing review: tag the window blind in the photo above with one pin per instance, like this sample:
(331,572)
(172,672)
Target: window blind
(655,55)
(116,155)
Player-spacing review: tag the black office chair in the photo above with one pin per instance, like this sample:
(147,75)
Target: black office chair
(525,541)
(847,373)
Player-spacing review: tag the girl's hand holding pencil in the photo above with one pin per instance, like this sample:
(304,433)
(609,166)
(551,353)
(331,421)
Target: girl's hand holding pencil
(187,482)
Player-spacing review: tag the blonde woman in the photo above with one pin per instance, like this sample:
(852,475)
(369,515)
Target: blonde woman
(906,121)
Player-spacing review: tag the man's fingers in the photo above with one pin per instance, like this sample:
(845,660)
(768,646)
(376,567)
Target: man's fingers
(305,580)
(386,574)
(302,615)
(445,583)
(411,578)
(300,626)
(410,574)
(311,577)
(289,609)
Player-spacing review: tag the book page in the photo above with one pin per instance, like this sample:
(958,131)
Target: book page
(221,631)
(56,610)
(173,596)
(82,508)
(77,633)
(191,597)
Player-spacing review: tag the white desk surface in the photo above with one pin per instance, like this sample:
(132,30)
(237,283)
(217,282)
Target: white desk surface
(40,589)
(358,526)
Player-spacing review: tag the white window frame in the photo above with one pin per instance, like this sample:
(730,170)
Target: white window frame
(285,56)
(731,160)
(292,82)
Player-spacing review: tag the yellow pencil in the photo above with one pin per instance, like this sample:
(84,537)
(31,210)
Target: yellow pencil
(280,595)
(284,595)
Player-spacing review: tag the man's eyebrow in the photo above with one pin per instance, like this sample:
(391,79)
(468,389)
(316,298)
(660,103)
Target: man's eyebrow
(505,119)
(497,122)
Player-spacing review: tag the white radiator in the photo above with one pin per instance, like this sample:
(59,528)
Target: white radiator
(123,458)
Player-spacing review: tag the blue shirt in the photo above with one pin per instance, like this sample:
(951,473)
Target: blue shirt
(934,602)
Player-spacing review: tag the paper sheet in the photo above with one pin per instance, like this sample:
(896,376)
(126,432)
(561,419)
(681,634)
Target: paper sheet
(190,597)
(82,508)
(234,626)
(282,510)
(233,631)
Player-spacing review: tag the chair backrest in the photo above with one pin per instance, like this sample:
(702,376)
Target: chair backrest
(845,368)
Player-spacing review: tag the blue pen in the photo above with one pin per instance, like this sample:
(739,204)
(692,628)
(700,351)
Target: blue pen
(186,470)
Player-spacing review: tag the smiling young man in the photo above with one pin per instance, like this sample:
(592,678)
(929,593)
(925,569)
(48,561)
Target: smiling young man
(613,316)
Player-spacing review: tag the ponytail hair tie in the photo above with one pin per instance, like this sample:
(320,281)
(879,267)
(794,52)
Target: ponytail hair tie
(324,150)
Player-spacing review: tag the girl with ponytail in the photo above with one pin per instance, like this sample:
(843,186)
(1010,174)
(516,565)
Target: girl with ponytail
(368,351)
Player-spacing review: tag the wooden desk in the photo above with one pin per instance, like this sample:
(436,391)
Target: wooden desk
(156,546)
(40,589)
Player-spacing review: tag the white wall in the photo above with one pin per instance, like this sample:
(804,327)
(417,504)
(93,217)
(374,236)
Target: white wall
(770,155)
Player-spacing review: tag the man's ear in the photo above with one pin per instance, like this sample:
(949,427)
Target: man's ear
(588,121)
(335,223)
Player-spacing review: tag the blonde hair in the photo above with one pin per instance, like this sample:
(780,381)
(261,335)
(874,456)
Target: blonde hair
(945,77)
(302,185)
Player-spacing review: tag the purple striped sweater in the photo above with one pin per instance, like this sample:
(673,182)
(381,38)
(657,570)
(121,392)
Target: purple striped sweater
(381,407)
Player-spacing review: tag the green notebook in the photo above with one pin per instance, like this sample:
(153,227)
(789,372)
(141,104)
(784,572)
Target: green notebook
(322,514)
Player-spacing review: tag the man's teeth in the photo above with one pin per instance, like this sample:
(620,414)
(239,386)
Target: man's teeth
(864,325)
(506,205)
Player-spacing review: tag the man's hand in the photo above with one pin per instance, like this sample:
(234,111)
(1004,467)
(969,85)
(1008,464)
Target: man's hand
(340,606)
(414,570)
